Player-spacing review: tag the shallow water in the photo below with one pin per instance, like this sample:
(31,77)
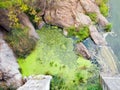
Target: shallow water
(114,39)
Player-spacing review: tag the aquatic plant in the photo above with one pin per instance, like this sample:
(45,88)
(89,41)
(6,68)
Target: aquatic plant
(54,56)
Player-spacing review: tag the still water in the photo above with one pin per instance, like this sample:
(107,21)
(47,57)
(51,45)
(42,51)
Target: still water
(114,38)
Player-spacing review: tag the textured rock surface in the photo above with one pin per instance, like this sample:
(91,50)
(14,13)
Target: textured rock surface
(9,73)
(4,21)
(26,23)
(96,36)
(24,20)
(82,50)
(65,13)
(39,82)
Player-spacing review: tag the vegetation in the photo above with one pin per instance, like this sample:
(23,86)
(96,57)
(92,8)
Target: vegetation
(108,27)
(52,56)
(80,33)
(16,7)
(93,17)
(103,6)
(20,41)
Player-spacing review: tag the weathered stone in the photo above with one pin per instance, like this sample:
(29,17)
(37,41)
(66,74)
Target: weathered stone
(72,13)
(41,24)
(10,75)
(23,18)
(96,36)
(82,50)
(26,23)
(40,82)
(89,6)
(102,20)
(4,20)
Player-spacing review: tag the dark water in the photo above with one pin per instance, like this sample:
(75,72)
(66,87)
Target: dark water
(114,39)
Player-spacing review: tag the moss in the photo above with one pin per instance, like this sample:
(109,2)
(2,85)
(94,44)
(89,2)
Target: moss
(103,7)
(108,27)
(93,17)
(20,41)
(54,56)
(80,33)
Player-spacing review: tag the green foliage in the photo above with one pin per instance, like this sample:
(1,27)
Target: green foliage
(54,56)
(5,4)
(103,6)
(20,41)
(80,33)
(104,9)
(108,27)
(93,17)
(16,7)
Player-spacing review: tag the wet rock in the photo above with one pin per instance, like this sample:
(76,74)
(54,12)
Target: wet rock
(82,50)
(96,36)
(40,82)
(9,73)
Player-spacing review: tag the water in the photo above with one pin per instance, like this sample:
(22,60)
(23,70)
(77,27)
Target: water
(114,39)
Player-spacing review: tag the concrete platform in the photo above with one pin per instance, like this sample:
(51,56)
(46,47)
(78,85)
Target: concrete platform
(110,83)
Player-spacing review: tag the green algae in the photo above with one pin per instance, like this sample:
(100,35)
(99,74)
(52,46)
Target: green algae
(54,55)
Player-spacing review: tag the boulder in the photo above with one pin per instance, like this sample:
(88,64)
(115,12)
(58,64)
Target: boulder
(24,21)
(72,13)
(96,36)
(39,82)
(9,73)
(82,50)
(4,20)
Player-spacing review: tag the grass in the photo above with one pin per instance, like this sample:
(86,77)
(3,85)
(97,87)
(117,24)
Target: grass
(108,27)
(54,56)
(93,17)
(20,42)
(80,33)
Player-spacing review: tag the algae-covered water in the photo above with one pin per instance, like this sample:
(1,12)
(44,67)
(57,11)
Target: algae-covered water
(54,55)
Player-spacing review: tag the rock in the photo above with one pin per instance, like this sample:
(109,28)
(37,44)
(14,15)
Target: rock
(9,73)
(4,20)
(102,20)
(24,20)
(71,12)
(96,36)
(41,24)
(66,13)
(26,23)
(82,50)
(89,6)
(40,82)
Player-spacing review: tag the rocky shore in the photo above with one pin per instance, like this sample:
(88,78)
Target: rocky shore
(62,13)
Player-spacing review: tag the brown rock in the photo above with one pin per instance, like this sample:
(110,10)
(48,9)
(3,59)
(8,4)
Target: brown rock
(82,50)
(24,20)
(96,36)
(4,20)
